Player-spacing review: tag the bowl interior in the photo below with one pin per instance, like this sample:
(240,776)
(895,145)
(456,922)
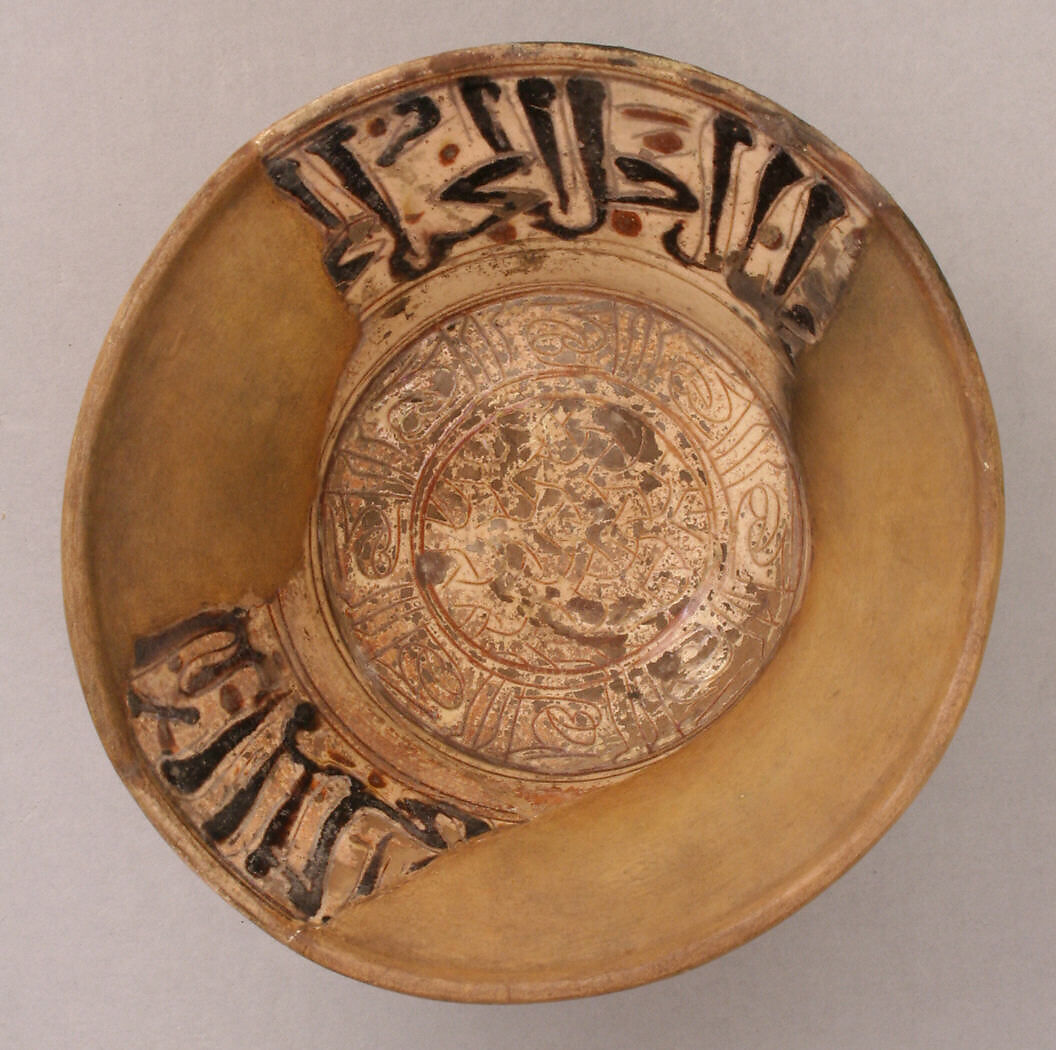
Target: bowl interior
(192,482)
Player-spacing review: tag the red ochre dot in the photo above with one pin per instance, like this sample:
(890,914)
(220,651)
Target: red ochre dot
(504,232)
(663,142)
(626,222)
(448,153)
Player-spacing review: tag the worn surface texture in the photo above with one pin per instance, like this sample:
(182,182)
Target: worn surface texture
(114,114)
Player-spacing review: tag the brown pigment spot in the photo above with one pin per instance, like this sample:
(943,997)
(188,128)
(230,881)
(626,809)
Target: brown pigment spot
(661,116)
(448,153)
(230,698)
(503,233)
(626,222)
(770,236)
(663,142)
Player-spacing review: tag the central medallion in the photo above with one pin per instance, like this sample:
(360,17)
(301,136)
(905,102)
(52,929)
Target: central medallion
(559,529)
(560,533)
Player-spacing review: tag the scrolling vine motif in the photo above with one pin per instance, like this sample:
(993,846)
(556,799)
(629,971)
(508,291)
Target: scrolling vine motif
(561,533)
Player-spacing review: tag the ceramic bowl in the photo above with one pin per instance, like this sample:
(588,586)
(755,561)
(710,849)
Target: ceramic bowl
(533,524)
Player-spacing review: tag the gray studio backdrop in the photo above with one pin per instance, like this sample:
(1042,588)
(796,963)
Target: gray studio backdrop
(113,115)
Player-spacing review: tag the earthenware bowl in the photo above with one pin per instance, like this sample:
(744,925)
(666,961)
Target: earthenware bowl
(533,524)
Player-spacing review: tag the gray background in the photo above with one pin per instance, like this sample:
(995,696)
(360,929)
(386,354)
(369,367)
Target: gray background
(113,115)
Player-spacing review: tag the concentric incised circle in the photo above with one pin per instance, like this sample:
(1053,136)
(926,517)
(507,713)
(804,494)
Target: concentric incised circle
(561,533)
(557,525)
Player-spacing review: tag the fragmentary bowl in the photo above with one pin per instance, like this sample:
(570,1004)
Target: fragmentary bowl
(533,524)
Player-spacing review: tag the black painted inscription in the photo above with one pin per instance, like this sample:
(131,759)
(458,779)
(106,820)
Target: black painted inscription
(560,155)
(251,776)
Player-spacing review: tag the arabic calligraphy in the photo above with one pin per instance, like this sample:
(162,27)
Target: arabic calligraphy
(402,185)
